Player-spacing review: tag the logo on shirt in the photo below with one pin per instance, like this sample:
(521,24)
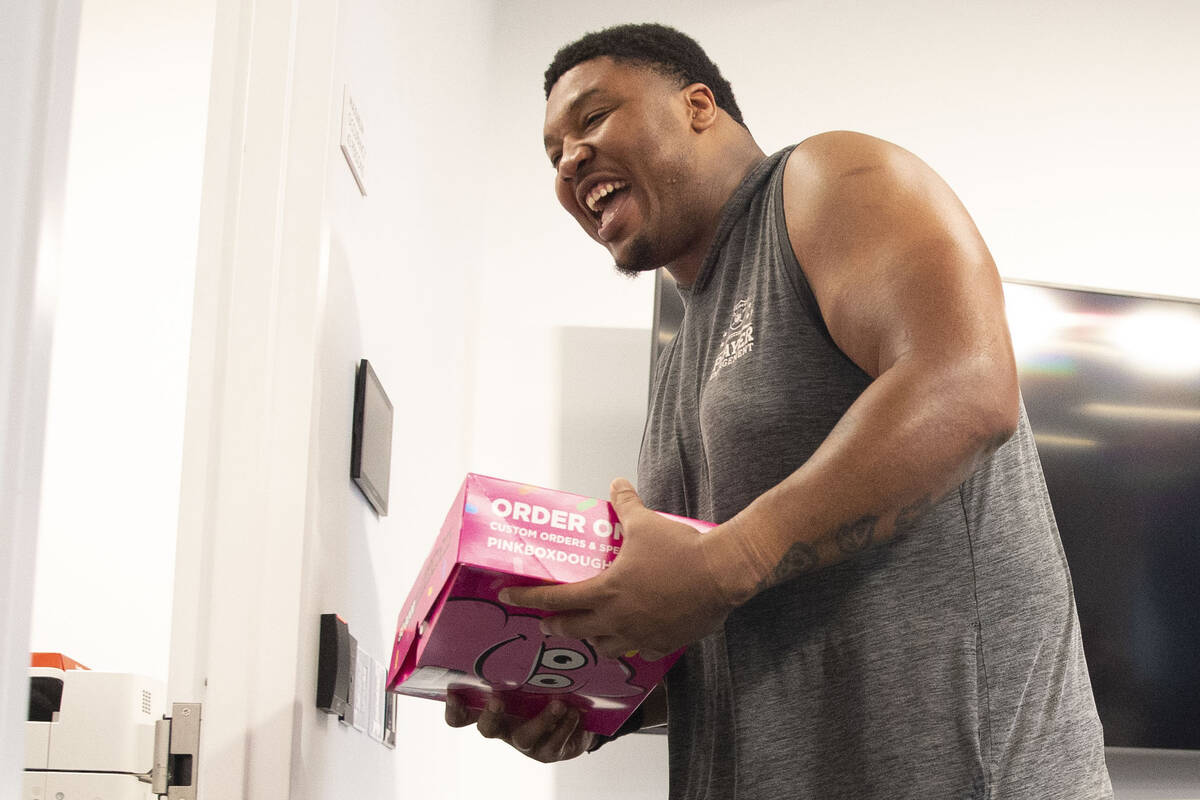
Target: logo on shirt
(738,339)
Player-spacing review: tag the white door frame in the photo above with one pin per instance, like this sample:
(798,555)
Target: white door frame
(244,489)
(39,41)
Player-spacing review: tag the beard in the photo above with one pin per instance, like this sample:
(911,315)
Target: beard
(649,250)
(662,244)
(640,258)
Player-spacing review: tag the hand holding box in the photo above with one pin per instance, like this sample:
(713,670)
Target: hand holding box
(455,634)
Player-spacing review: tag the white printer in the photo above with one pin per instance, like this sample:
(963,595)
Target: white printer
(90,735)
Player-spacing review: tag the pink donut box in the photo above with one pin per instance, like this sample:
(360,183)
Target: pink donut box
(455,635)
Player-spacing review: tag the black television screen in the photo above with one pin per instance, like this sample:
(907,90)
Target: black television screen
(371,438)
(1111,384)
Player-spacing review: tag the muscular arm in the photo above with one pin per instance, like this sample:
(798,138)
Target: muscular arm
(908,292)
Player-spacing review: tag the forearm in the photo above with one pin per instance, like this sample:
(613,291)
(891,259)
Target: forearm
(913,436)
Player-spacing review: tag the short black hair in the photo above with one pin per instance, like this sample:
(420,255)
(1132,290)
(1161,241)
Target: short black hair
(665,50)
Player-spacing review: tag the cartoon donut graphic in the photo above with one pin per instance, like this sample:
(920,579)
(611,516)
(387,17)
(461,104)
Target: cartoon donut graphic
(509,652)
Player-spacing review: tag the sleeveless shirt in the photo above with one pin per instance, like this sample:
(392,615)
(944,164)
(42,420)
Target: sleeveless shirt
(946,663)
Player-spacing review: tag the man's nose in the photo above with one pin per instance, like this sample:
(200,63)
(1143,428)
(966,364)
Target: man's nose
(574,156)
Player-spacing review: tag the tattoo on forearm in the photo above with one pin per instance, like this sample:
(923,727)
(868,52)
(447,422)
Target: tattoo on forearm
(804,557)
(800,558)
(851,539)
(856,536)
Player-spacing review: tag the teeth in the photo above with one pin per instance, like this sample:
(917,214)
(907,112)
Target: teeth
(600,191)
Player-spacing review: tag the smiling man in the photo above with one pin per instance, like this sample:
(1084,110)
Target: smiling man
(646,200)
(884,609)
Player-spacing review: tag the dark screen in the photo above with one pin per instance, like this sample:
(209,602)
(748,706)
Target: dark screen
(1112,387)
(371,442)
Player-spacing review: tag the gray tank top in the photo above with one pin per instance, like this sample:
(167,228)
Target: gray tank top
(944,664)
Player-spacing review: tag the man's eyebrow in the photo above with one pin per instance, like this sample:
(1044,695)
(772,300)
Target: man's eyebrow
(582,98)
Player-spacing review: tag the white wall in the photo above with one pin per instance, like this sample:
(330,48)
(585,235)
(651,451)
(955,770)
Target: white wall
(401,290)
(1067,128)
(115,419)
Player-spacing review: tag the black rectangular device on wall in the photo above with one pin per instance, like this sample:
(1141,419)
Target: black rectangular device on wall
(371,446)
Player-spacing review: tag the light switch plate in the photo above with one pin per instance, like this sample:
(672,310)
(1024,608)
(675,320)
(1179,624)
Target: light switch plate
(362,690)
(354,146)
(378,698)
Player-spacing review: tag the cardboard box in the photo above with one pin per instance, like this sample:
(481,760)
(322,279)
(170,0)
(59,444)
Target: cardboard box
(455,634)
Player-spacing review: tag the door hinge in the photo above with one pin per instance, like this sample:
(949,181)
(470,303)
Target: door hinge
(177,753)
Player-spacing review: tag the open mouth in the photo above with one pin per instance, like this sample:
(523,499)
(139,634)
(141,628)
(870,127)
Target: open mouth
(601,195)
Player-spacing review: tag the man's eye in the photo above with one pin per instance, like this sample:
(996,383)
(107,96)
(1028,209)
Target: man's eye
(594,117)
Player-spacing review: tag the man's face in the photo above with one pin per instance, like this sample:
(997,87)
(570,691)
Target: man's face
(620,140)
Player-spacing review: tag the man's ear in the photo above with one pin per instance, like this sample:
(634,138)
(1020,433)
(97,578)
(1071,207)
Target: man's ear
(702,105)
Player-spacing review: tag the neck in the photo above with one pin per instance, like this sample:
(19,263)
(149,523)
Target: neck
(733,158)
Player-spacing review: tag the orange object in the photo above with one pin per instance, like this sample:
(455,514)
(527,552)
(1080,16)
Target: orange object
(55,660)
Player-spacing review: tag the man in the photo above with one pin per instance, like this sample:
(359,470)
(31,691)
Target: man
(884,610)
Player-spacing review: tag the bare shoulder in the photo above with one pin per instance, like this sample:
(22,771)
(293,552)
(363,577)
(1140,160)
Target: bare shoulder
(846,189)
(845,164)
(841,147)
(884,244)
(846,140)
(840,154)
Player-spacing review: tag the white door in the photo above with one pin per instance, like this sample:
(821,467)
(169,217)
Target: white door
(247,428)
(298,277)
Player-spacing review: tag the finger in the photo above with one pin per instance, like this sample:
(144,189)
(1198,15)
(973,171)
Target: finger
(621,647)
(491,721)
(614,647)
(458,715)
(529,736)
(579,743)
(624,498)
(555,744)
(560,597)
(586,625)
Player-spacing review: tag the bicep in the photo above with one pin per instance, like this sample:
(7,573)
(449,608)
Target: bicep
(899,270)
